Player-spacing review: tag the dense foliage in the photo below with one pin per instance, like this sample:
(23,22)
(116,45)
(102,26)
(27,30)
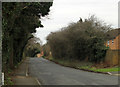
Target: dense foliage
(46,50)
(19,21)
(32,48)
(83,40)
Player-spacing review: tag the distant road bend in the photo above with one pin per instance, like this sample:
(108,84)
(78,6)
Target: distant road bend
(49,73)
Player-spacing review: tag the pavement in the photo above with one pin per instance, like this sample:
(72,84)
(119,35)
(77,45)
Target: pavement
(50,73)
(20,76)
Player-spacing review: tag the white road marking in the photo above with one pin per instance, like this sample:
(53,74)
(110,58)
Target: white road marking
(109,73)
(27,70)
(38,81)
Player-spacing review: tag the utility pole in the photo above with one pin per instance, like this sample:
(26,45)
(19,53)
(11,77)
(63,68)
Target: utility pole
(0,43)
(119,14)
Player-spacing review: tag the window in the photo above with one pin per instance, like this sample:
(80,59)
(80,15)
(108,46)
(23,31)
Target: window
(112,41)
(108,42)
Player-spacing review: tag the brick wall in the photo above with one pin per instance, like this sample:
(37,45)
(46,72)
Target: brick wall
(40,54)
(113,54)
(114,44)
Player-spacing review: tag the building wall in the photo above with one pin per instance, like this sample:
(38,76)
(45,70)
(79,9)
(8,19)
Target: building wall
(40,54)
(114,44)
(113,54)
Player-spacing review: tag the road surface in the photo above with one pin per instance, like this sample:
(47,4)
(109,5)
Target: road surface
(49,73)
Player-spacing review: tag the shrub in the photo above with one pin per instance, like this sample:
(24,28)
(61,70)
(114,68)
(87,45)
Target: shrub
(80,40)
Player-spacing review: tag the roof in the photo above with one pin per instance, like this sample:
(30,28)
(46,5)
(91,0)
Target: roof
(112,34)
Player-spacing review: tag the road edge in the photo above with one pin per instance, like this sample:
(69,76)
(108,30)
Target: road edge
(107,73)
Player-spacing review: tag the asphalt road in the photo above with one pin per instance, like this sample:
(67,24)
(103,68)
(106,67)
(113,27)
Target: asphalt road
(49,73)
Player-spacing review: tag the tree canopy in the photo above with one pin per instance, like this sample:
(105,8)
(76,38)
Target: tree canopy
(19,21)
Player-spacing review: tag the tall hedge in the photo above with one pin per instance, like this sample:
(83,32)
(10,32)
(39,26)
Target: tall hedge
(83,40)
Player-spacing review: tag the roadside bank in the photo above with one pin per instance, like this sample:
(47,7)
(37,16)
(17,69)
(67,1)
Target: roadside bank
(87,66)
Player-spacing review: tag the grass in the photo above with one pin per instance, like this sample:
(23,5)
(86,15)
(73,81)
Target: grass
(113,69)
(8,81)
(84,65)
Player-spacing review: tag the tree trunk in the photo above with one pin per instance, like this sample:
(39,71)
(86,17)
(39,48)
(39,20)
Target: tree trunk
(11,53)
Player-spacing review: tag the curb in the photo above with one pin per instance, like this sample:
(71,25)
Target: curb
(108,73)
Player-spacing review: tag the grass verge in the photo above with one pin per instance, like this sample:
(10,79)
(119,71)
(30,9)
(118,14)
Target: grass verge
(84,65)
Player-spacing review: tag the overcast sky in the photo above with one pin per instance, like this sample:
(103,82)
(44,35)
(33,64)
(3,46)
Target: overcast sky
(64,12)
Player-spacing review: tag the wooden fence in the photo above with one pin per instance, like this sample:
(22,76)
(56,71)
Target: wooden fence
(112,57)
